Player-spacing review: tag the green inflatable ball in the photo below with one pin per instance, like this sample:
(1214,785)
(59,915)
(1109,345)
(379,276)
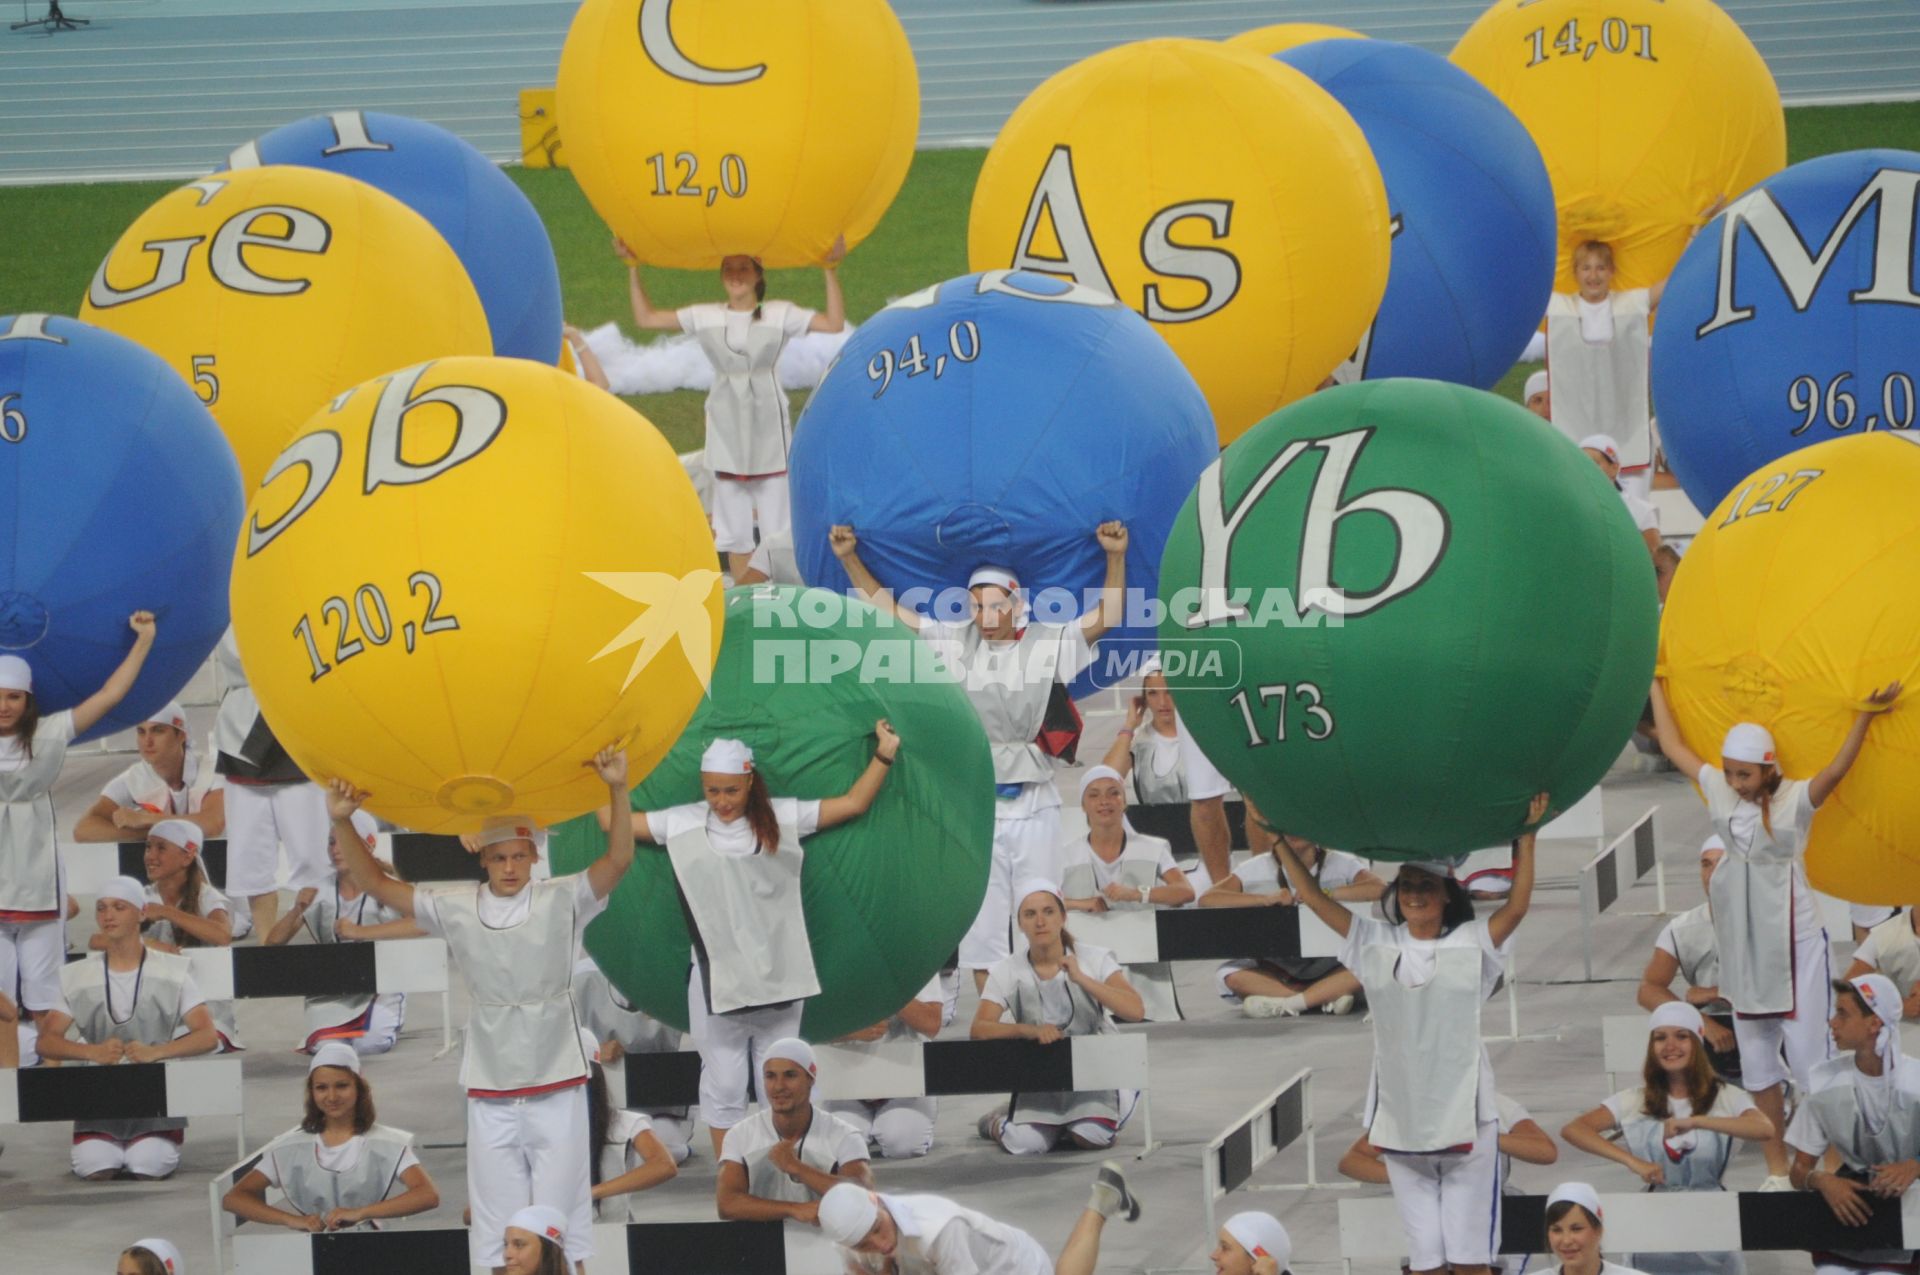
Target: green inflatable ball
(802,676)
(1397,610)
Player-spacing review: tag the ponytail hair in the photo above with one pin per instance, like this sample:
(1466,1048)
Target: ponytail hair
(759,288)
(1771,785)
(766,828)
(190,899)
(599,1116)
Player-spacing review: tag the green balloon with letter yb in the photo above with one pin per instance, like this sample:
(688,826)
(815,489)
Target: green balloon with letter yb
(1402,608)
(802,676)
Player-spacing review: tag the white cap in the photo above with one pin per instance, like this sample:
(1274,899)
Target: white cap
(1035,885)
(1101,772)
(1442,868)
(847,1213)
(1578,1193)
(1001,576)
(1535,385)
(169,714)
(1676,1014)
(125,889)
(15,674)
(187,836)
(1262,1236)
(726,757)
(164,1250)
(1748,742)
(334,1053)
(793,1049)
(1883,1002)
(1712,844)
(1603,444)
(504,828)
(542,1220)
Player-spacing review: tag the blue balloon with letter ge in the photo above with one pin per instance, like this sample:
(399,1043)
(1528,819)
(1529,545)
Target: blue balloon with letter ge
(121,496)
(1472,206)
(1792,318)
(477,209)
(999,418)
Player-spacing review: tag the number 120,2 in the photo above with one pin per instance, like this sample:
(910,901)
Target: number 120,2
(369,608)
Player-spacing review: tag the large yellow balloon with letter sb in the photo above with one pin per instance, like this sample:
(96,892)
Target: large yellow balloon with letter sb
(1646,111)
(701,129)
(461,580)
(1800,598)
(272,289)
(1220,193)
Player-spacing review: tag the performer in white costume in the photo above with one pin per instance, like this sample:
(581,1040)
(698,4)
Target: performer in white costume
(1117,869)
(619,1028)
(1155,750)
(1575,1230)
(777,1163)
(902,1128)
(168,782)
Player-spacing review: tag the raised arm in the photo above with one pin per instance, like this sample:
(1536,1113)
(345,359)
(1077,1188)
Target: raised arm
(642,830)
(1823,784)
(88,712)
(846,547)
(1308,891)
(1501,925)
(342,800)
(645,316)
(1120,752)
(857,800)
(1112,610)
(604,873)
(1667,731)
(834,317)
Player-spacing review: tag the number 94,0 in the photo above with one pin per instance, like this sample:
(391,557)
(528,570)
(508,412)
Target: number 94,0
(375,620)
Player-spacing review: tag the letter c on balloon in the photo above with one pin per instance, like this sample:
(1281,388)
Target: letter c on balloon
(656,37)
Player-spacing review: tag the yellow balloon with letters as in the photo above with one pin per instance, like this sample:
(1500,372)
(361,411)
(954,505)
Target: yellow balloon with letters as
(1800,598)
(269,290)
(701,129)
(461,580)
(1219,193)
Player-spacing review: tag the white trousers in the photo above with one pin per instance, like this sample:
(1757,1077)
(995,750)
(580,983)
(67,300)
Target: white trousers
(1803,1039)
(1027,846)
(523,1151)
(260,819)
(1449,1203)
(1095,1133)
(154,1156)
(384,1018)
(735,502)
(31,954)
(731,1048)
(897,1129)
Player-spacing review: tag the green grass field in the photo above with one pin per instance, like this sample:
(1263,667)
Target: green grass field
(58,234)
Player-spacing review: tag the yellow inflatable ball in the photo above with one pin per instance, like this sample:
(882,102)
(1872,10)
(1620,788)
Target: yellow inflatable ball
(700,129)
(1646,111)
(1798,600)
(1220,193)
(272,289)
(1282,36)
(461,580)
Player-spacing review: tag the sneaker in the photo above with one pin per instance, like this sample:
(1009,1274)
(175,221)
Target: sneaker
(1110,1195)
(1339,1005)
(992,1123)
(1777,1182)
(1273,1006)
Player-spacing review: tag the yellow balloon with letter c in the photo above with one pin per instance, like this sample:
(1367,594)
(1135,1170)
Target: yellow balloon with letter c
(461,580)
(701,129)
(1223,195)
(1646,111)
(1799,598)
(269,290)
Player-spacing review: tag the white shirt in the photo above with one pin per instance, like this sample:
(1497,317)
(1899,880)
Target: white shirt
(503,913)
(792,320)
(1596,319)
(1868,953)
(1204,780)
(1056,1000)
(180,801)
(1104,873)
(121,985)
(1792,821)
(1873,1093)
(335,1159)
(239,920)
(1260,874)
(1645,516)
(53,728)
(734,839)
(962,1241)
(753,1137)
(1630,1104)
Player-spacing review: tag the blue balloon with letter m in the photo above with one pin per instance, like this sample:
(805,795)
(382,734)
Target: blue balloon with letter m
(1791,319)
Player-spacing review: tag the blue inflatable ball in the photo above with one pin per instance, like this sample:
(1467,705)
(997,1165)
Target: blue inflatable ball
(122,496)
(1000,418)
(1792,318)
(1472,205)
(476,208)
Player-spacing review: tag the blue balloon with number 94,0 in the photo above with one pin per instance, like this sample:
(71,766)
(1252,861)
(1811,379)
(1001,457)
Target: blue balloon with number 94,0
(121,496)
(999,418)
(1792,318)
